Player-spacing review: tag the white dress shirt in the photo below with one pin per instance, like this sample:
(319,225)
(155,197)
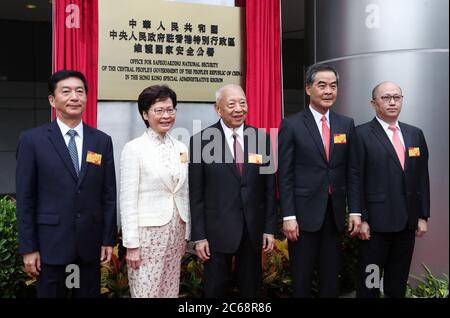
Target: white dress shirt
(229,135)
(389,132)
(318,119)
(78,138)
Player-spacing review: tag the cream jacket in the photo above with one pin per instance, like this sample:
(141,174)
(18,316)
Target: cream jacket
(146,197)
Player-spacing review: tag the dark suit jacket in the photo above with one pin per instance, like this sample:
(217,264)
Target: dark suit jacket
(305,174)
(62,216)
(221,199)
(389,197)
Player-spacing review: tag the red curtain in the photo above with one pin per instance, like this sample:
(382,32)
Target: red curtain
(75,45)
(263,74)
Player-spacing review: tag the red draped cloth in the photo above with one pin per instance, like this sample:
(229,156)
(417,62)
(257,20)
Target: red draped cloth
(75,45)
(263,74)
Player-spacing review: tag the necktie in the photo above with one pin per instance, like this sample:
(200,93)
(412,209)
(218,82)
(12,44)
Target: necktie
(326,142)
(238,154)
(73,150)
(398,146)
(326,137)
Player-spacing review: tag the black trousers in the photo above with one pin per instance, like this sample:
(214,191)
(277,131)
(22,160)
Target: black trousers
(218,271)
(51,282)
(319,250)
(390,254)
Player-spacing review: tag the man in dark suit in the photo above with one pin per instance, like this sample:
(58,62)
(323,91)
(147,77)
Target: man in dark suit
(232,194)
(66,195)
(313,182)
(391,163)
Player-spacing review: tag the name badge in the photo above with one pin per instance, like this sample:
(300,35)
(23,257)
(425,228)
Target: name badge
(94,158)
(340,139)
(414,151)
(255,158)
(184,157)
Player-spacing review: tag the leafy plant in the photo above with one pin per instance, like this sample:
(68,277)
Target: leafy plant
(428,286)
(114,276)
(12,276)
(277,280)
(191,280)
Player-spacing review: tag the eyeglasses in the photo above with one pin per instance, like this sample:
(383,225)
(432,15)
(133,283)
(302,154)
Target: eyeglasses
(160,111)
(387,98)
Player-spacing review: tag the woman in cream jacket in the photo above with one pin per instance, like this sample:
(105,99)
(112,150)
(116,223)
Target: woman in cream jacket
(154,199)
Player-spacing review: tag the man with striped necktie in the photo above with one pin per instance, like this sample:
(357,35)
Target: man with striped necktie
(66,195)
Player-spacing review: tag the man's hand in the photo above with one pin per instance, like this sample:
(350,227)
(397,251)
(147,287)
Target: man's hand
(291,230)
(133,257)
(32,262)
(202,250)
(364,233)
(422,227)
(105,254)
(354,224)
(268,241)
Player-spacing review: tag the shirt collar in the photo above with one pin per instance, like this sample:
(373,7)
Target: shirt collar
(229,131)
(385,125)
(156,138)
(64,128)
(318,116)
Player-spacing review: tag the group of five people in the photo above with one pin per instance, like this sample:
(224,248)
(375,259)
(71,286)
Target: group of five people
(221,193)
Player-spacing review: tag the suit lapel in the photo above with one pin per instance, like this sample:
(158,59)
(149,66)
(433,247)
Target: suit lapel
(88,144)
(182,177)
(334,127)
(56,138)
(313,130)
(226,153)
(247,166)
(381,135)
(408,143)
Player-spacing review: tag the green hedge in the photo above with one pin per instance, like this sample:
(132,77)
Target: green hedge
(12,277)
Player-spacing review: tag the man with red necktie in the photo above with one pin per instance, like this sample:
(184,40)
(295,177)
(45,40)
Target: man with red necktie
(314,181)
(390,161)
(232,197)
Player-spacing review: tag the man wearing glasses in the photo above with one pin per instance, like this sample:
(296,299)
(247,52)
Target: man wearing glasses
(390,162)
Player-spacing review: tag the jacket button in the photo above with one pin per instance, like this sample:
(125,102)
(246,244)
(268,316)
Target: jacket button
(78,215)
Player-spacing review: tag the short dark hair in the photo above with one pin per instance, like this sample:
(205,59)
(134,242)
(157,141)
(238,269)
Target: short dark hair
(312,70)
(152,95)
(62,75)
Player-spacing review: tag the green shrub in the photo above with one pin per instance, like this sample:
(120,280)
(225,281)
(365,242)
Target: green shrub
(428,286)
(277,281)
(114,275)
(12,276)
(191,278)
